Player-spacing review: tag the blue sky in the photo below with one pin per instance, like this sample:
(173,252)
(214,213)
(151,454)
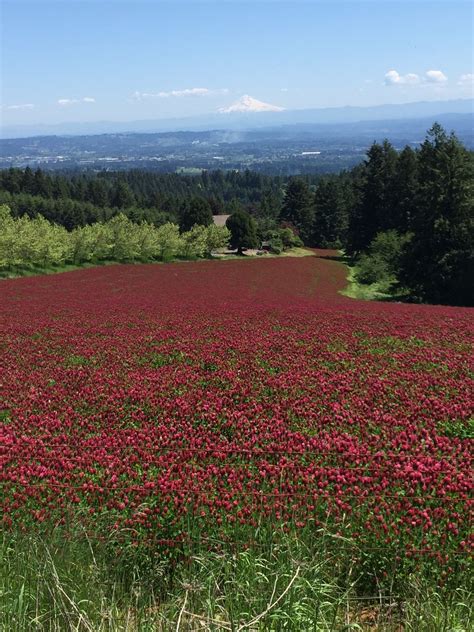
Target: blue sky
(85,60)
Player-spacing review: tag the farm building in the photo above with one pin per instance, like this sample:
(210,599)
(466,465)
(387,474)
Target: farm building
(220,220)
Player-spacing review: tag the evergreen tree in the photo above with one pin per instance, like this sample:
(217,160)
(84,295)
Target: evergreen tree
(61,188)
(12,180)
(298,208)
(123,196)
(28,181)
(198,212)
(42,184)
(405,190)
(234,206)
(216,204)
(438,265)
(331,213)
(97,192)
(375,210)
(243,231)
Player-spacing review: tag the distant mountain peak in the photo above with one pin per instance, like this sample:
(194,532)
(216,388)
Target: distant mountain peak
(246,103)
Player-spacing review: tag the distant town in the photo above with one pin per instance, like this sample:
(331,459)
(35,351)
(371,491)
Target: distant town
(284,150)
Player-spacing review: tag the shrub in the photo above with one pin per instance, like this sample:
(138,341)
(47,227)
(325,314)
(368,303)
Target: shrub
(381,264)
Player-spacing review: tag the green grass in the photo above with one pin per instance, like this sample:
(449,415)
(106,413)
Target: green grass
(58,583)
(30,270)
(372,292)
(386,290)
(297,252)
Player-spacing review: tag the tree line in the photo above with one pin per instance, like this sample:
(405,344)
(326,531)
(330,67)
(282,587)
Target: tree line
(38,243)
(75,199)
(405,218)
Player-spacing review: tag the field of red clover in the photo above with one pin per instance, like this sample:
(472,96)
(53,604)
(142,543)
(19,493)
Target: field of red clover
(159,405)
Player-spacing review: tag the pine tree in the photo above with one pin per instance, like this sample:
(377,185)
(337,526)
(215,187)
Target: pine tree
(405,190)
(438,265)
(375,211)
(243,231)
(97,192)
(198,212)
(123,196)
(28,181)
(331,213)
(42,184)
(298,208)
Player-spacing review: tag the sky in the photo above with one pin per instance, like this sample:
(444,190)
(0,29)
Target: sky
(122,60)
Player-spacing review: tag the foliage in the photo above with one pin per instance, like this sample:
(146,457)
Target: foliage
(298,208)
(332,202)
(37,242)
(374,210)
(217,238)
(429,195)
(381,263)
(74,199)
(243,231)
(198,212)
(280,238)
(194,242)
(439,261)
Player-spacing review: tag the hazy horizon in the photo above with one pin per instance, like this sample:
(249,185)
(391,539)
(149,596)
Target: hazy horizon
(80,62)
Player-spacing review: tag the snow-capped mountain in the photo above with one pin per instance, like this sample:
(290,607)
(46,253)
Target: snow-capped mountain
(249,104)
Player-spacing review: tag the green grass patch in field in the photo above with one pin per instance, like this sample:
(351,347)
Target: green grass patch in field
(77,360)
(5,416)
(296,252)
(27,271)
(157,360)
(457,428)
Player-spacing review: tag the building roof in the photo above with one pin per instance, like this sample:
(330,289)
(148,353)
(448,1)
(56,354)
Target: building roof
(220,220)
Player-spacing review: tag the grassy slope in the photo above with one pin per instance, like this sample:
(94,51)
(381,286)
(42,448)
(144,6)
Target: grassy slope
(372,292)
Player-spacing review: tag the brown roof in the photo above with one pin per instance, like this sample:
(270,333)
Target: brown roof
(220,220)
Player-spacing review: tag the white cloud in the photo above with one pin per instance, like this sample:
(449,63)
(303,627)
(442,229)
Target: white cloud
(66,102)
(283,89)
(435,76)
(187,92)
(466,80)
(393,77)
(21,106)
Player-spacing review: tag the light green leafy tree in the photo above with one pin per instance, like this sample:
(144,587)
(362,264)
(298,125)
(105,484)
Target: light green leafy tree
(122,238)
(7,237)
(49,242)
(216,237)
(168,242)
(194,242)
(82,243)
(101,242)
(147,241)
